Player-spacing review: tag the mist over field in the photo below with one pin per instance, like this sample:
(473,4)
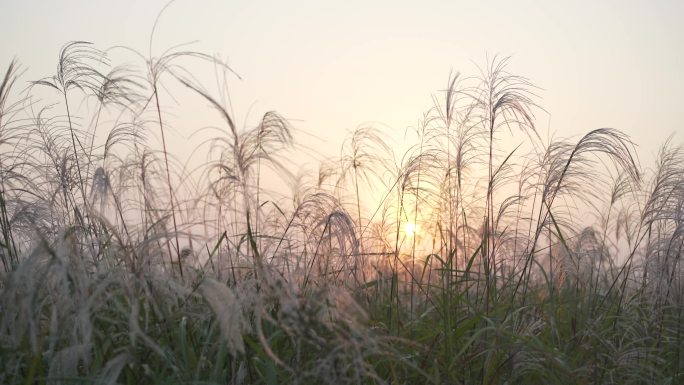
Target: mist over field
(158,225)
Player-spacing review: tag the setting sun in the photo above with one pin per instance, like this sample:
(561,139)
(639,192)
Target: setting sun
(411,229)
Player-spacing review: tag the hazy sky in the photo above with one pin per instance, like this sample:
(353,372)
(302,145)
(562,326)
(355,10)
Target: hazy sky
(330,66)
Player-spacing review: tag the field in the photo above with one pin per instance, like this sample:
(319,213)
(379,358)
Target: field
(485,253)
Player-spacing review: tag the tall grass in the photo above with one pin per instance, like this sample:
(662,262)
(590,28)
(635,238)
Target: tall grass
(537,260)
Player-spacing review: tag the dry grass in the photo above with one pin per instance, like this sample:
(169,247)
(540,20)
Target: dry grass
(537,260)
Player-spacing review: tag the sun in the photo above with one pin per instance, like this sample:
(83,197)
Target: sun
(411,229)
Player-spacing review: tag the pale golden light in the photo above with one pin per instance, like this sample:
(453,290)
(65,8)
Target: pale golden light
(411,229)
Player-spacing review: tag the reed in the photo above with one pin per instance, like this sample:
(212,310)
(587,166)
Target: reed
(536,260)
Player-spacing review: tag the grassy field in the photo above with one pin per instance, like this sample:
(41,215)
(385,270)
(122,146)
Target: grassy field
(485,254)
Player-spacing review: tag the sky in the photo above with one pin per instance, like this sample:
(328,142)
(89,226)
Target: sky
(332,66)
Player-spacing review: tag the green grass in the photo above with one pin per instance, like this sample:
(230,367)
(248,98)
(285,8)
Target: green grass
(538,260)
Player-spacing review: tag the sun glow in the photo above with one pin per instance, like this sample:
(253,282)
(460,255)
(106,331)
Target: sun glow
(411,229)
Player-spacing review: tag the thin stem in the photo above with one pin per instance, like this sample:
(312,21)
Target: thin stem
(168,180)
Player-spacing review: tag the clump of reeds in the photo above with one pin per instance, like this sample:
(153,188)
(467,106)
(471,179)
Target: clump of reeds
(537,260)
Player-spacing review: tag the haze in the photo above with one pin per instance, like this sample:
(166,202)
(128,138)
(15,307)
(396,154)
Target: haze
(330,66)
